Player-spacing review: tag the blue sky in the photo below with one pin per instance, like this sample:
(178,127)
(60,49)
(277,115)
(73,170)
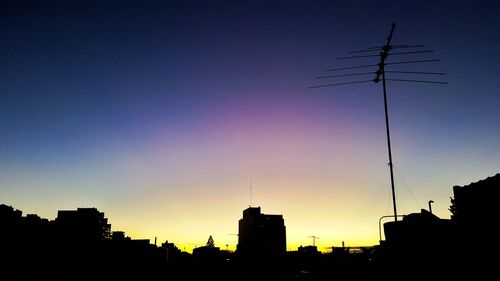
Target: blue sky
(160,113)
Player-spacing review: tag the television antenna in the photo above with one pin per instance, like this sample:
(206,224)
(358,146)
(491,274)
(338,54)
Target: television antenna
(380,75)
(314,239)
(250,187)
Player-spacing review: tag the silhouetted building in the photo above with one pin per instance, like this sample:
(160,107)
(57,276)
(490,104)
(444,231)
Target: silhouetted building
(8,213)
(207,251)
(421,242)
(475,214)
(474,210)
(10,226)
(119,235)
(83,225)
(25,244)
(260,235)
(10,219)
(308,250)
(422,228)
(171,250)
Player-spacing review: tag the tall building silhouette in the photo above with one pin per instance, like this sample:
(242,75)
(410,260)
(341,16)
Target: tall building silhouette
(83,225)
(475,215)
(260,235)
(474,207)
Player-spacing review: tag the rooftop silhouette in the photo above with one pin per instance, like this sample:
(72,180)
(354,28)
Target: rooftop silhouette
(79,245)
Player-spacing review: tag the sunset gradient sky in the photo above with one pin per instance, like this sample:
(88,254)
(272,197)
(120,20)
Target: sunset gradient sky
(161,113)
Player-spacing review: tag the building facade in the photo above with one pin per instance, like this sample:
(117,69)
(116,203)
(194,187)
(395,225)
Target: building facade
(261,235)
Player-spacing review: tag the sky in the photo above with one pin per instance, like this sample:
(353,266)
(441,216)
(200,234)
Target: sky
(162,114)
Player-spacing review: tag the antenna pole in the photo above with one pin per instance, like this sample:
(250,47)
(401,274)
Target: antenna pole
(250,194)
(314,239)
(381,72)
(380,76)
(389,147)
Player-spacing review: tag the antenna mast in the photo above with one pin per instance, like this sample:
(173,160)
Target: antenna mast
(380,76)
(314,239)
(250,195)
(381,72)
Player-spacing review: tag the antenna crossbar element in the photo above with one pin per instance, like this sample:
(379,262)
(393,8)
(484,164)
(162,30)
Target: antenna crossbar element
(372,49)
(347,74)
(402,53)
(314,239)
(412,53)
(412,61)
(382,47)
(407,46)
(417,81)
(352,67)
(343,83)
(415,72)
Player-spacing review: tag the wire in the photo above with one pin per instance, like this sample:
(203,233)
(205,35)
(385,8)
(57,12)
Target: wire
(406,185)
